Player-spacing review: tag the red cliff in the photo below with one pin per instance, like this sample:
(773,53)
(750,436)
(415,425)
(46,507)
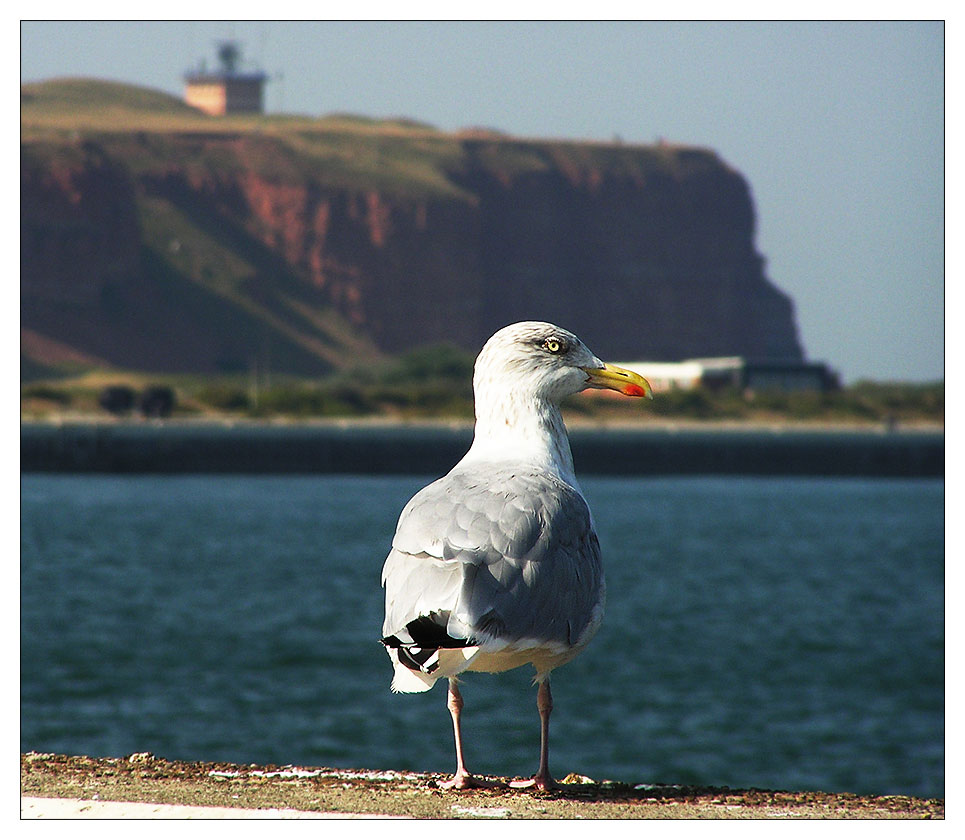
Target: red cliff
(210,251)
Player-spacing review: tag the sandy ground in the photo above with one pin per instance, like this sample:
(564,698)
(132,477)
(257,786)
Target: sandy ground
(142,786)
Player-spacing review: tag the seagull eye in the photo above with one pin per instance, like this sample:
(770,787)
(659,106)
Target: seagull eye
(554,345)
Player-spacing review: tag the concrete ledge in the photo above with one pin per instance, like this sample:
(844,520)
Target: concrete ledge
(38,808)
(144,786)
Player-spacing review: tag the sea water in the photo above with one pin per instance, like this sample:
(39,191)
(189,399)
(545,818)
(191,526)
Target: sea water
(772,633)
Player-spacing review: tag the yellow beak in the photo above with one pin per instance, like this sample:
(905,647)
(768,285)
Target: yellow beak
(618,379)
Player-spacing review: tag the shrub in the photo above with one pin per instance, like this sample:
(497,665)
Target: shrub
(117,399)
(157,401)
(424,364)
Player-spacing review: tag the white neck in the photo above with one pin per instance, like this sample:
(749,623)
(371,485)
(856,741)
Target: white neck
(518,426)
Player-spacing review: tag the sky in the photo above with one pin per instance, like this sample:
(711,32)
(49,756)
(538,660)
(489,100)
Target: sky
(837,126)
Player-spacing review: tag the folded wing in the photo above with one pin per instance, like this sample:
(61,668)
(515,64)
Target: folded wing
(500,559)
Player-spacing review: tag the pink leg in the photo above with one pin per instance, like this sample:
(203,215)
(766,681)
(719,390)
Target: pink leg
(463,779)
(542,780)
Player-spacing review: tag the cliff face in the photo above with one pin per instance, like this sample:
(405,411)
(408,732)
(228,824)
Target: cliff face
(222,251)
(94,292)
(653,264)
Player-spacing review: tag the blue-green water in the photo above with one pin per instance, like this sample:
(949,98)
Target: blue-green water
(766,633)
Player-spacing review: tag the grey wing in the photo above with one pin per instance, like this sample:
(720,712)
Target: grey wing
(507,556)
(418,581)
(553,592)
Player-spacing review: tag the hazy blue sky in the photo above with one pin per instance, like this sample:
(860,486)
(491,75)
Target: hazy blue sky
(839,128)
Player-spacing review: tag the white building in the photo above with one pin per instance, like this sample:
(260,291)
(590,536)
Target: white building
(735,372)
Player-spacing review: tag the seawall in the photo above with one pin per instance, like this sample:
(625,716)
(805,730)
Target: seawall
(432,450)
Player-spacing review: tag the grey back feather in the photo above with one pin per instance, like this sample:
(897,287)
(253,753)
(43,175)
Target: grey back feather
(509,553)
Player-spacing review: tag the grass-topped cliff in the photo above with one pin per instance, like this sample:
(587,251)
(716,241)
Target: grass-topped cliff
(157,239)
(337,150)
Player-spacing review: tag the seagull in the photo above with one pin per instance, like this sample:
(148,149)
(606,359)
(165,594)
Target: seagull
(497,565)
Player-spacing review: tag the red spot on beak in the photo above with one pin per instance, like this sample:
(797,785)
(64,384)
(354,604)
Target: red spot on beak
(632,390)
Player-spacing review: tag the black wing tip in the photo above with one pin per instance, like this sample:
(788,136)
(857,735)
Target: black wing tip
(420,642)
(426,631)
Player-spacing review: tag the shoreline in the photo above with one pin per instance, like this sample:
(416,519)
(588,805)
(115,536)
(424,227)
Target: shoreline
(58,786)
(573,421)
(423,448)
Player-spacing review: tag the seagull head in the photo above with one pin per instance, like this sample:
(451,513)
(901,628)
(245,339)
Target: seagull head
(548,362)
